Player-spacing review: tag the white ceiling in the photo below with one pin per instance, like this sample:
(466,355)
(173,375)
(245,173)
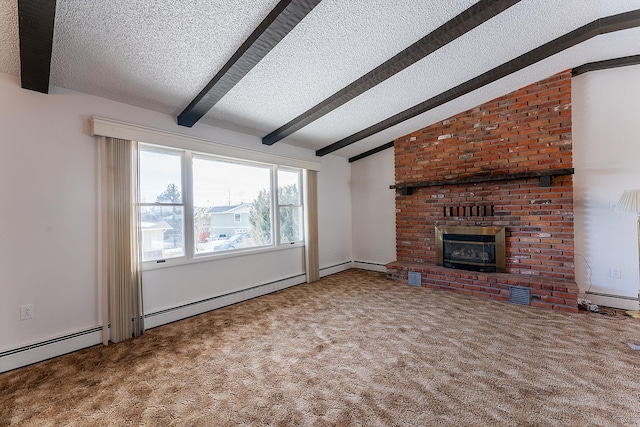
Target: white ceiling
(160,54)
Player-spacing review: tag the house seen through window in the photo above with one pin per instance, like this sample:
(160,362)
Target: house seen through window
(289,205)
(162,204)
(197,205)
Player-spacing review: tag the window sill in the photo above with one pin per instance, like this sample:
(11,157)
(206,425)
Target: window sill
(209,257)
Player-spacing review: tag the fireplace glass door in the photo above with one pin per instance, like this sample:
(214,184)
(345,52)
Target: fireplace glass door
(471,248)
(473,252)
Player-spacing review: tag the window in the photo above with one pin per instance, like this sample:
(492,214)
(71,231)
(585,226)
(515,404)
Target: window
(231,199)
(196,205)
(162,203)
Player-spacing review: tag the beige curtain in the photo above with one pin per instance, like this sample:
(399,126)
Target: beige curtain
(121,259)
(311,253)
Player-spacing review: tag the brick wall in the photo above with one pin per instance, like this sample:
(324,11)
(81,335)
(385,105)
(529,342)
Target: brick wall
(524,131)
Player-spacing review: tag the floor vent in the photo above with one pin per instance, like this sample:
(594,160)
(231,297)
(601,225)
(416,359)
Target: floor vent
(520,295)
(415,279)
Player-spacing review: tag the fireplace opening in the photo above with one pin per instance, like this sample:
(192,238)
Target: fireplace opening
(471,248)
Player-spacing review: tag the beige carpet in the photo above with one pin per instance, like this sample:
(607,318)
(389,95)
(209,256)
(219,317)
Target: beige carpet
(352,349)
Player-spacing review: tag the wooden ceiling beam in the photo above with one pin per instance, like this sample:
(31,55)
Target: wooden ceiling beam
(606,64)
(36,19)
(446,33)
(600,26)
(278,23)
(371,152)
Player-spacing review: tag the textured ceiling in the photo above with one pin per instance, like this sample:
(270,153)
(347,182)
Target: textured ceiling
(10,52)
(159,55)
(153,54)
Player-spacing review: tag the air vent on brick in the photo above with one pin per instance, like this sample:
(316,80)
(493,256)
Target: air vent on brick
(468,211)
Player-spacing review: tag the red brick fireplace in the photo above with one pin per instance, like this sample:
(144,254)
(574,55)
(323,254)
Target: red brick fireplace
(506,163)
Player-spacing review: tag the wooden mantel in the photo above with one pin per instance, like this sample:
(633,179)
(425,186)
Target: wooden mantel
(544,175)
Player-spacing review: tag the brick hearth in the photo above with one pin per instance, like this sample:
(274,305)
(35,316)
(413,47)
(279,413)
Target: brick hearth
(456,168)
(556,294)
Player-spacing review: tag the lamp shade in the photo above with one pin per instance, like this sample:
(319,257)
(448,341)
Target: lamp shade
(629,201)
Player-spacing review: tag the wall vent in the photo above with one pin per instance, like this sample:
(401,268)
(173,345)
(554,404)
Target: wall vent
(415,279)
(520,295)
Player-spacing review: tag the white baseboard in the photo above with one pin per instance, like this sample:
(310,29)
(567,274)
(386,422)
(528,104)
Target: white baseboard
(615,301)
(337,268)
(163,317)
(373,266)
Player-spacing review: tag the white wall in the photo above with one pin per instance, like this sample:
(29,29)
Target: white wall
(48,216)
(49,211)
(374,211)
(606,157)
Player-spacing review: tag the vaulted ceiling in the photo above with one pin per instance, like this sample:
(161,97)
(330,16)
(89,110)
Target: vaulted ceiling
(334,76)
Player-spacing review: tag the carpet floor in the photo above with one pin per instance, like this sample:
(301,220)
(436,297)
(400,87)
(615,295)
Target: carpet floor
(354,348)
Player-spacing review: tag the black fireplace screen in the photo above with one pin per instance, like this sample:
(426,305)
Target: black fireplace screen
(473,250)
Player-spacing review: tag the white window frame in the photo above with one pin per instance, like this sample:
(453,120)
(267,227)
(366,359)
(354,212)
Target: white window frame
(190,254)
(185,197)
(278,205)
(240,162)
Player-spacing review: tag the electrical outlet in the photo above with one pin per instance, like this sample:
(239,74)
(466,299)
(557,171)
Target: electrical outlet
(26,312)
(615,272)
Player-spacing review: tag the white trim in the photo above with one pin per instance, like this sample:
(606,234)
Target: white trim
(215,256)
(101,126)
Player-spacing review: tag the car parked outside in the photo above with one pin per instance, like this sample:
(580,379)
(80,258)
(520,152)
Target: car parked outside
(214,237)
(234,242)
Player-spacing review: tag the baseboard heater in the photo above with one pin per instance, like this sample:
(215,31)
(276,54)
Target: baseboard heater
(612,296)
(336,265)
(219,297)
(66,340)
(50,341)
(369,263)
